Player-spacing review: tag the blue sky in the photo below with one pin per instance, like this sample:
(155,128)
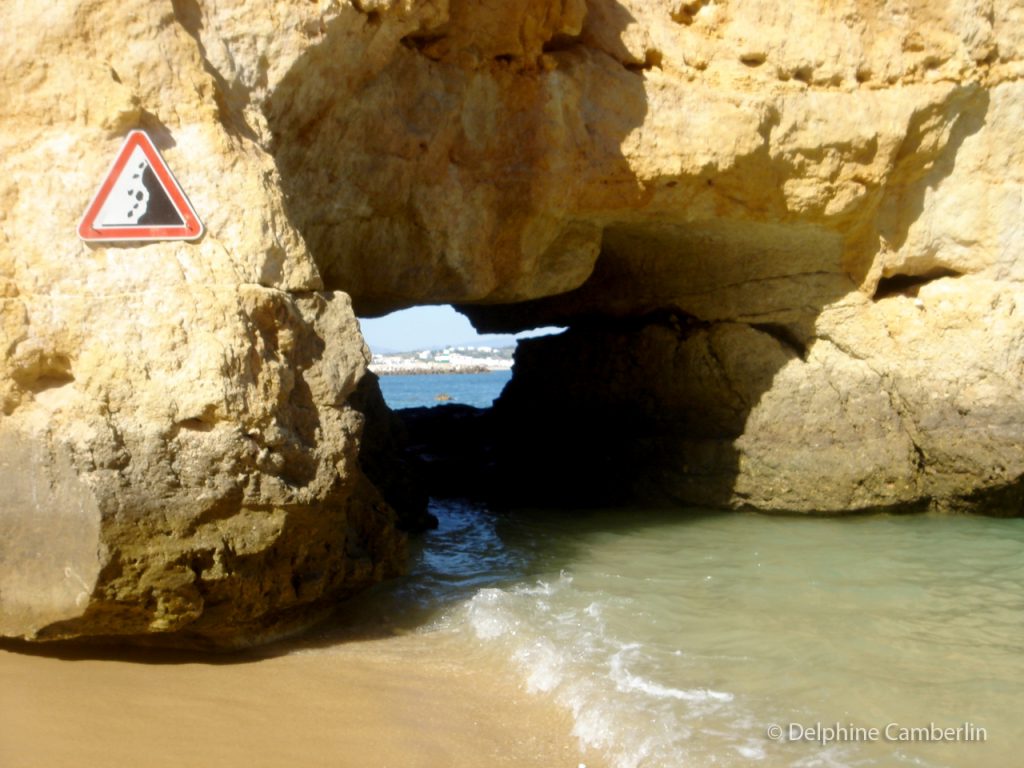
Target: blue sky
(429,327)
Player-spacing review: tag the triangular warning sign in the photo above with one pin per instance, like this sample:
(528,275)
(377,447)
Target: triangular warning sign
(139,199)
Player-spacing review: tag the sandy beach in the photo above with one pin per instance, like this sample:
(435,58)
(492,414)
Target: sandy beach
(414,700)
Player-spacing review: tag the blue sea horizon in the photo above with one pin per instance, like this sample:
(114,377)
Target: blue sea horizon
(427,390)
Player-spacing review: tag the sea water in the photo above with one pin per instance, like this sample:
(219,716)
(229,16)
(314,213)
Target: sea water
(692,638)
(476,389)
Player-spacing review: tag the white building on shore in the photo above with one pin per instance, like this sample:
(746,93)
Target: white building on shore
(447,360)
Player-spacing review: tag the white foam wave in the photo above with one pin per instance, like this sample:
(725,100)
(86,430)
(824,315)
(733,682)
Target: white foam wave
(487,618)
(556,635)
(625,681)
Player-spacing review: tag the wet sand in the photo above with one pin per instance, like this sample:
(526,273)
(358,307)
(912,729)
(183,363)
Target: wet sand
(413,701)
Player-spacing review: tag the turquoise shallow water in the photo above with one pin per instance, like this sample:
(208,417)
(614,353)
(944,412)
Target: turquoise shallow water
(680,637)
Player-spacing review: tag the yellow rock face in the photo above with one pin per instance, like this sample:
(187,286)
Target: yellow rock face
(501,146)
(174,414)
(830,193)
(843,177)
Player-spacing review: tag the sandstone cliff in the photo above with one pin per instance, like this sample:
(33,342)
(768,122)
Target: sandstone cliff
(178,450)
(786,238)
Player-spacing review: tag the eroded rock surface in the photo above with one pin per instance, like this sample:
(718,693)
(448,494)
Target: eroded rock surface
(179,455)
(786,239)
(836,189)
(879,411)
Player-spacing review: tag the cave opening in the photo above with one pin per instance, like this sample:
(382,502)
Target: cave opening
(433,428)
(667,352)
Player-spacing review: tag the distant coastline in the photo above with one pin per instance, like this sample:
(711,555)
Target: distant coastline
(441,361)
(433,370)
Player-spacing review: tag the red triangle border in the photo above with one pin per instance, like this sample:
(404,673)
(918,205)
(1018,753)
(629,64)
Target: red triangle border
(191,230)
